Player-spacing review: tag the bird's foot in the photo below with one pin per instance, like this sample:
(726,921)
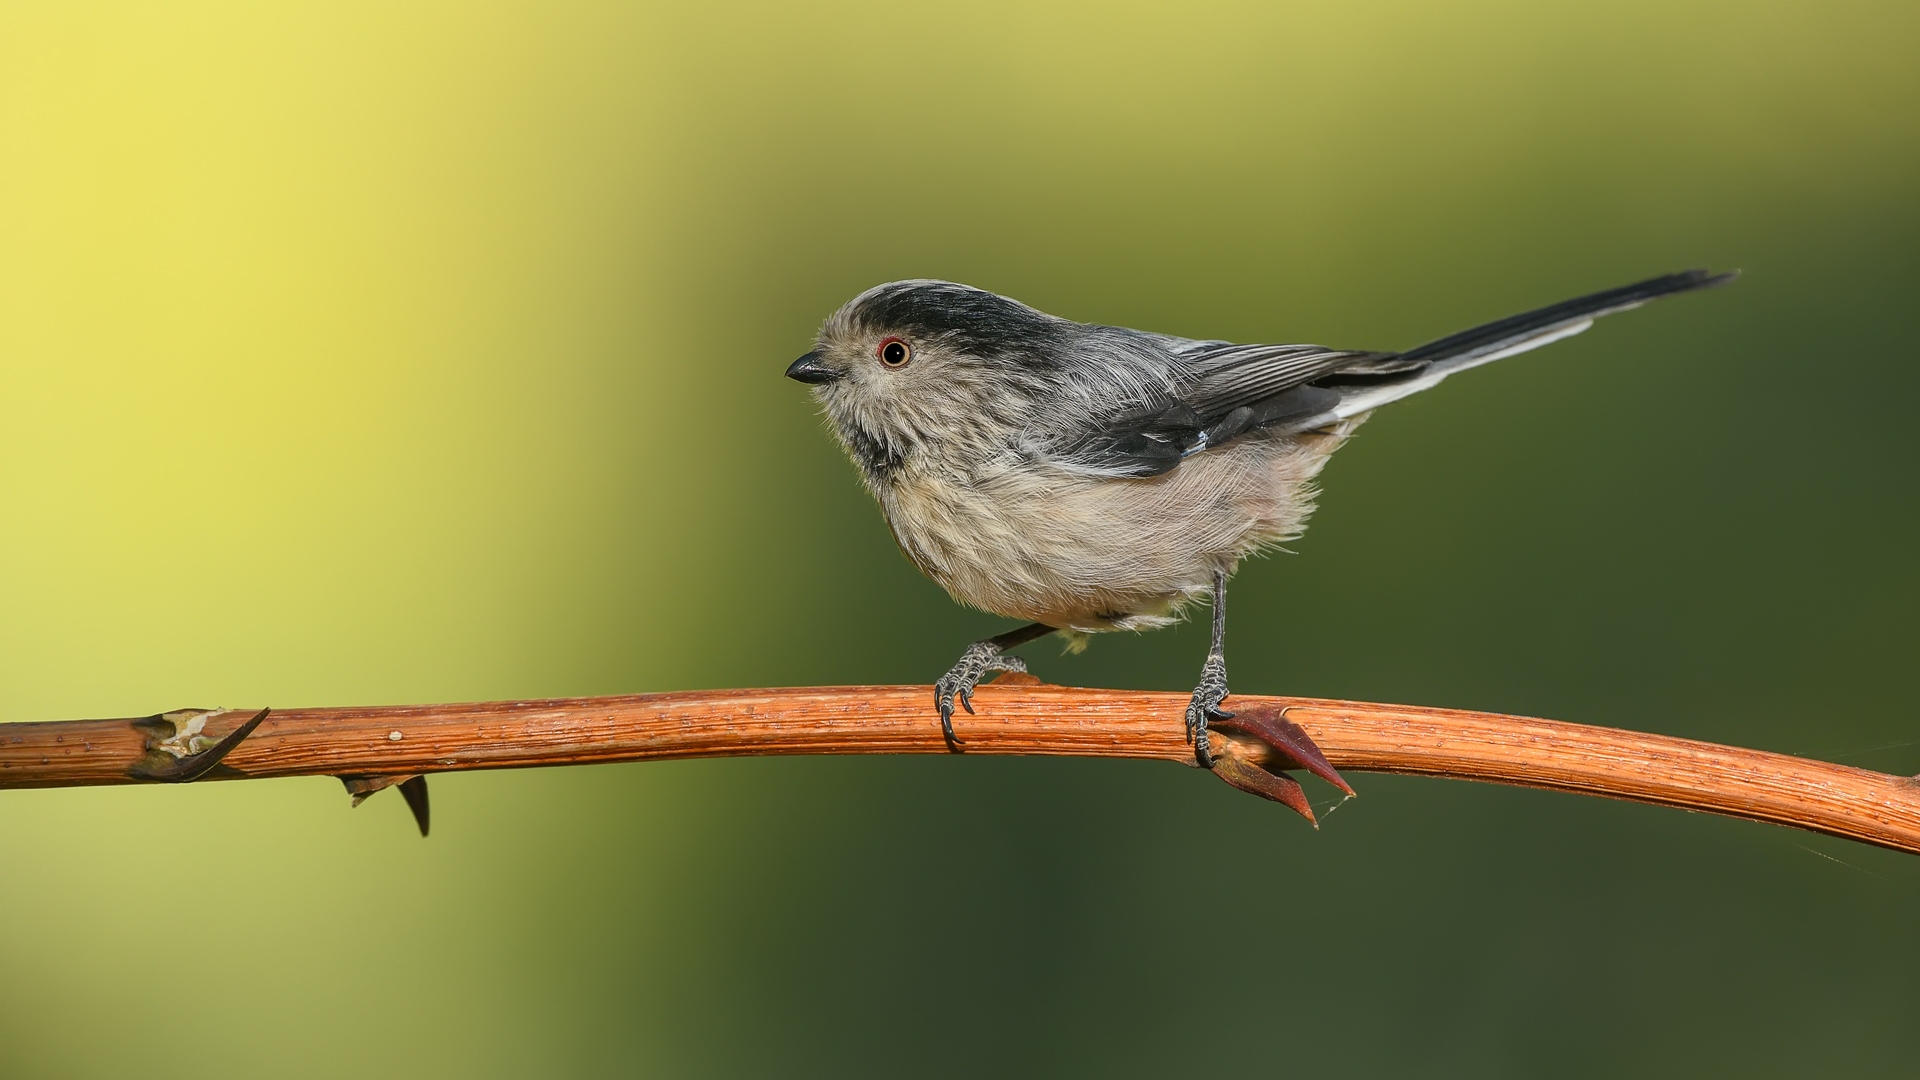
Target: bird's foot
(1289,747)
(1205,707)
(959,681)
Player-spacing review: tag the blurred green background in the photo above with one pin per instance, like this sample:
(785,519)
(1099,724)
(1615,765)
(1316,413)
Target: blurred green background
(358,353)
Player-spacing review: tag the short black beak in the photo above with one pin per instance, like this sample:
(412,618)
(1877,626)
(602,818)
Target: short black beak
(811,369)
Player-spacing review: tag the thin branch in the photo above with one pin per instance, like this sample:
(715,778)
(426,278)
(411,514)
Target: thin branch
(374,747)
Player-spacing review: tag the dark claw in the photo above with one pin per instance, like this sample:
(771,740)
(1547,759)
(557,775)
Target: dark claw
(160,764)
(954,743)
(966,702)
(1286,737)
(945,706)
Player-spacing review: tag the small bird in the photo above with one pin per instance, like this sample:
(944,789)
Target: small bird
(1085,478)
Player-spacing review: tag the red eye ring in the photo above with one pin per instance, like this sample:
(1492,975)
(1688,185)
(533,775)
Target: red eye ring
(893,352)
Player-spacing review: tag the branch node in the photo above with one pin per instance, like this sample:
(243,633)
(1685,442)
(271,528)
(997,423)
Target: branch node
(178,751)
(1261,720)
(413,788)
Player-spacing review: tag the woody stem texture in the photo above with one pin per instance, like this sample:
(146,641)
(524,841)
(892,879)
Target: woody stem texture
(1014,716)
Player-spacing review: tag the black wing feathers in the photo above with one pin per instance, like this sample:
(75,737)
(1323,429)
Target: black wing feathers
(1227,377)
(1231,390)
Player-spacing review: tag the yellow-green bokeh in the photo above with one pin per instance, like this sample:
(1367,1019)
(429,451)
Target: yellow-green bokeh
(362,353)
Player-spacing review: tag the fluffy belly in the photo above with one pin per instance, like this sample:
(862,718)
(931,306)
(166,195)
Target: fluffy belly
(1049,545)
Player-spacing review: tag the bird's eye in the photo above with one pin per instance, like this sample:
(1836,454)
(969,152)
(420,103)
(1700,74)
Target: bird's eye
(894,353)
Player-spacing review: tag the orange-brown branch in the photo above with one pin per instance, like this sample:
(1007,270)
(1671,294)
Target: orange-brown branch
(1014,718)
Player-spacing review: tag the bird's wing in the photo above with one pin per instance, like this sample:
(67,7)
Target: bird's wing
(1219,391)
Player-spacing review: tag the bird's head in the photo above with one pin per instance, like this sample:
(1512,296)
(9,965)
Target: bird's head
(917,366)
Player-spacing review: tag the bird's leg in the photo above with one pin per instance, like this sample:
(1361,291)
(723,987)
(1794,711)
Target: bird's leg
(1213,679)
(1288,745)
(980,658)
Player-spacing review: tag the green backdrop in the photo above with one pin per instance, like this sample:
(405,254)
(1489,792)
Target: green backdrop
(357,353)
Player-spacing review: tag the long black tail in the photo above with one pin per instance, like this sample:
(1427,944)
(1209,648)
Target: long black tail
(1535,328)
(1384,378)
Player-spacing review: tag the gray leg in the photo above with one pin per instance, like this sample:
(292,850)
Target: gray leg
(980,658)
(1213,679)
